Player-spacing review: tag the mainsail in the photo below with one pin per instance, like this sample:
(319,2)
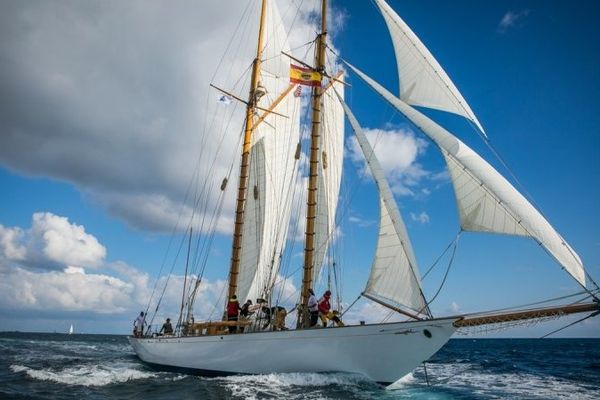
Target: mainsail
(268,203)
(487,202)
(423,81)
(394,274)
(330,173)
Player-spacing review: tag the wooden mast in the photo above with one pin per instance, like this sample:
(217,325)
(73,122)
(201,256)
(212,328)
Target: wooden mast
(315,139)
(245,164)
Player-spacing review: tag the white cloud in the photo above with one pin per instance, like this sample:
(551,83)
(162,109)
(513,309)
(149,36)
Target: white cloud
(285,293)
(29,286)
(210,297)
(397,151)
(363,223)
(114,97)
(74,290)
(11,240)
(51,242)
(68,291)
(510,19)
(454,307)
(422,218)
(370,313)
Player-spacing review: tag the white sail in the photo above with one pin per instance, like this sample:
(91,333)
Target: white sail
(423,81)
(267,209)
(394,273)
(330,173)
(486,200)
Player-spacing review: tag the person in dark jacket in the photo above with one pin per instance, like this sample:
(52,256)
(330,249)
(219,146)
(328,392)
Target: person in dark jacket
(233,308)
(245,313)
(245,310)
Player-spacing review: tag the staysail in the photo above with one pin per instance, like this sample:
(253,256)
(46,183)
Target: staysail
(394,274)
(268,203)
(487,202)
(330,173)
(423,81)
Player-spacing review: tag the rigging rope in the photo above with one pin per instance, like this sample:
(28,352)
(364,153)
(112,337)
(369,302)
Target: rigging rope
(571,324)
(441,255)
(445,274)
(199,197)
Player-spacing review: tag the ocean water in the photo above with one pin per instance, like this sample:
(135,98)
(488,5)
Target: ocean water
(59,366)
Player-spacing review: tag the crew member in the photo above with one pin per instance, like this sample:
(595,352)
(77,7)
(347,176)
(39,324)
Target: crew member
(324,307)
(138,325)
(167,328)
(233,308)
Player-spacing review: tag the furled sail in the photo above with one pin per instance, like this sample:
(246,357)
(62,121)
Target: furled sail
(268,203)
(487,202)
(394,273)
(423,81)
(330,173)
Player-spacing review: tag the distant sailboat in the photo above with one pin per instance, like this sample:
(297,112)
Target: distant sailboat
(384,351)
(71,330)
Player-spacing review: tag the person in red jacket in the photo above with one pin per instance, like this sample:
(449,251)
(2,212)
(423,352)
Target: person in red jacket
(233,308)
(324,307)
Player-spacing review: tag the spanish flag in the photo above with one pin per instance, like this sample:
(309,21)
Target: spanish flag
(304,76)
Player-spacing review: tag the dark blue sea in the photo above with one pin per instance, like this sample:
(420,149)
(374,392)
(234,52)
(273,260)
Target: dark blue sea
(59,366)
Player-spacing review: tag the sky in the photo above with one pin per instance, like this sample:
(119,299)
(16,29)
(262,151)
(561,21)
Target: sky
(108,121)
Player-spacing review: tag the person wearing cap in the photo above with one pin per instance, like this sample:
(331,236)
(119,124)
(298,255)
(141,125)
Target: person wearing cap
(324,307)
(313,308)
(167,328)
(233,308)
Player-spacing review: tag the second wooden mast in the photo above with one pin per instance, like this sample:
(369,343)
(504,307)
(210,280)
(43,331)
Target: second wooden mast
(245,163)
(315,143)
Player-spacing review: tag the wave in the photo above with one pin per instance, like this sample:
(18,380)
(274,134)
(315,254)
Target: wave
(280,385)
(96,375)
(473,379)
(407,380)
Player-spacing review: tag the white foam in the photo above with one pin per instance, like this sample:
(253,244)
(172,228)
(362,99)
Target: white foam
(507,385)
(96,375)
(278,385)
(406,380)
(298,379)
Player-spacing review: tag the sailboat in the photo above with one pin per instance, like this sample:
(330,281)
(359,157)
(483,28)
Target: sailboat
(71,329)
(384,352)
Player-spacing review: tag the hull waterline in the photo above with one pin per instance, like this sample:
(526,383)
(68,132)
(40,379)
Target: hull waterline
(381,352)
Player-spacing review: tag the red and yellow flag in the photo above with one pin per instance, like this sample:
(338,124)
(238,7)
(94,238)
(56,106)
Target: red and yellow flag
(304,76)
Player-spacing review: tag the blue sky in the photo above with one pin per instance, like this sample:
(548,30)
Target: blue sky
(100,126)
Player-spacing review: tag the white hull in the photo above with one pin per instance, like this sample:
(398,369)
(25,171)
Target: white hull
(382,352)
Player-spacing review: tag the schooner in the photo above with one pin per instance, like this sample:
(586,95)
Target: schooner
(384,352)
